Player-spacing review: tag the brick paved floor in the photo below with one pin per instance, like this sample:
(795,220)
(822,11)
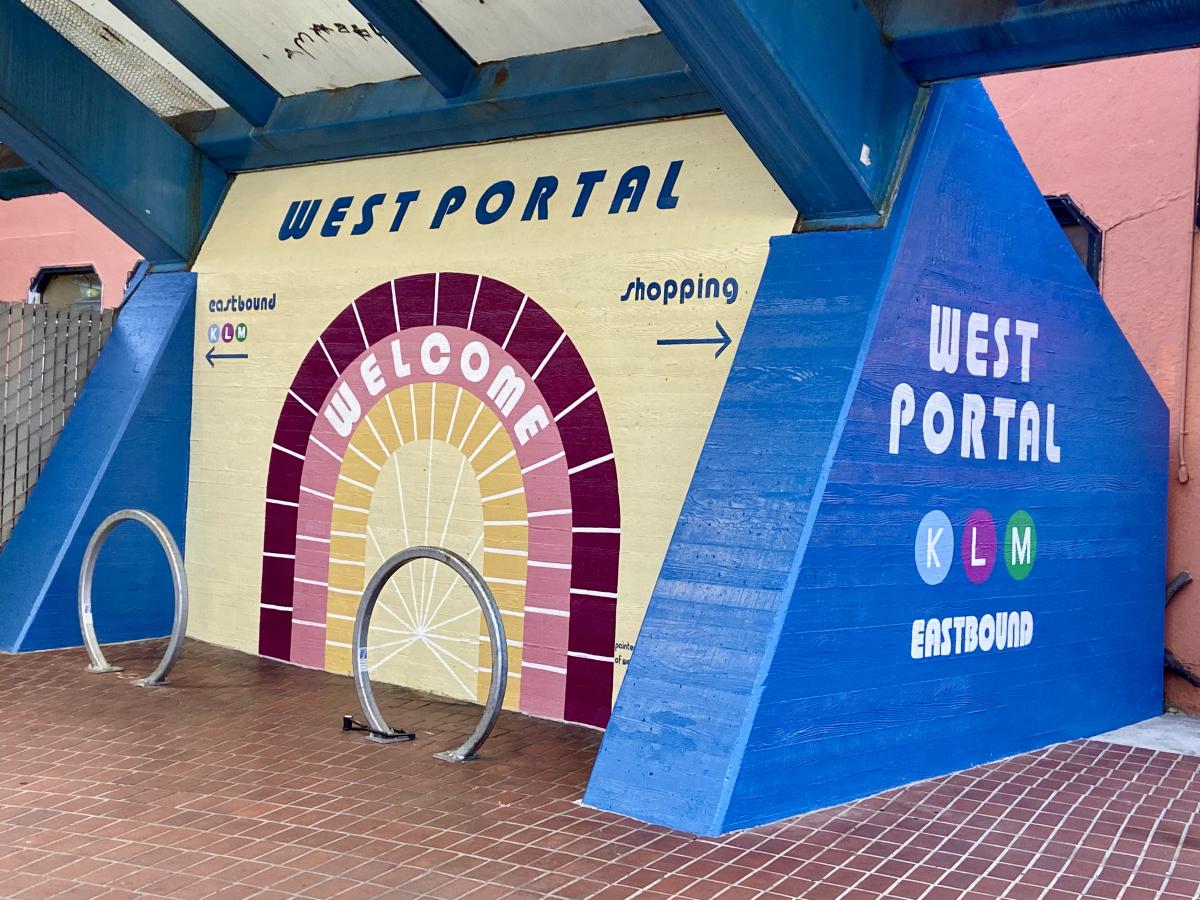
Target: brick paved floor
(237,782)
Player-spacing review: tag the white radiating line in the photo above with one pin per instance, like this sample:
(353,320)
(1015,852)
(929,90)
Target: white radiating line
(338,644)
(445,596)
(586,593)
(395,308)
(435,639)
(462,462)
(474,300)
(375,434)
(473,611)
(344,618)
(545,462)
(419,602)
(315,492)
(497,464)
(361,330)
(502,495)
(436,655)
(584,529)
(279,555)
(334,561)
(485,442)
(575,404)
(387,630)
(491,579)
(353,509)
(312,539)
(275,606)
(370,462)
(358,535)
(513,326)
(346,591)
(505,522)
(387,644)
(325,350)
(311,581)
(502,552)
(399,649)
(470,427)
(299,456)
(387,399)
(290,503)
(437,288)
(543,611)
(515,613)
(538,371)
(578,655)
(412,579)
(454,415)
(557,670)
(300,400)
(411,621)
(542,513)
(323,447)
(405,622)
(412,406)
(358,484)
(592,462)
(538,564)
(308,623)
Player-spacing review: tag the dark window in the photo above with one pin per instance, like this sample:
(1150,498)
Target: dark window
(1081,231)
(66,286)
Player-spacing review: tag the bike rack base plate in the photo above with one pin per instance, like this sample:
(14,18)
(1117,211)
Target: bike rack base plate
(391,738)
(103,670)
(451,757)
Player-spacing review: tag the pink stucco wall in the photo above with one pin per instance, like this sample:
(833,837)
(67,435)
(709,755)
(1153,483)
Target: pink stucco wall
(1121,138)
(36,232)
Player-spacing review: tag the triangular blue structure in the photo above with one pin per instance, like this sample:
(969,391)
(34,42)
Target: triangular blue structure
(125,445)
(818,629)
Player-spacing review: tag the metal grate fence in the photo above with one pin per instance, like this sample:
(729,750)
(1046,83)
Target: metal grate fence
(46,354)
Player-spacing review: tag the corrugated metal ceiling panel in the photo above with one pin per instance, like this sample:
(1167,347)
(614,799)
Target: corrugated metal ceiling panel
(500,29)
(107,37)
(299,46)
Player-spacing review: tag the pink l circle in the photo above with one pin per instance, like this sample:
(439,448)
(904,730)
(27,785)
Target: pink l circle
(979,546)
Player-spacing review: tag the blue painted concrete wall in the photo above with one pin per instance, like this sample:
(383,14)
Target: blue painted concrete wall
(124,445)
(787,661)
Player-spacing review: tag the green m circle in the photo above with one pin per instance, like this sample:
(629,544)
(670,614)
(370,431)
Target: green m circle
(1020,545)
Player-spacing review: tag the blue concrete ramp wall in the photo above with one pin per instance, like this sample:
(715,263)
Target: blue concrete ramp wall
(124,445)
(927,529)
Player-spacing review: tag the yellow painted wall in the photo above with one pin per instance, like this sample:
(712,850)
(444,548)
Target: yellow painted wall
(658,399)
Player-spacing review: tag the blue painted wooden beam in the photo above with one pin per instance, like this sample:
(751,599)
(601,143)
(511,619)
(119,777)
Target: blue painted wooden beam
(86,134)
(810,86)
(939,41)
(633,80)
(424,43)
(23,181)
(181,35)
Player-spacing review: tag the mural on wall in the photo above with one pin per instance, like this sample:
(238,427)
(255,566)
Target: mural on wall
(518,407)
(513,352)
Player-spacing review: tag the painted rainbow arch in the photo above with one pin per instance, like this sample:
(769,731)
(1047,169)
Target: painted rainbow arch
(477,364)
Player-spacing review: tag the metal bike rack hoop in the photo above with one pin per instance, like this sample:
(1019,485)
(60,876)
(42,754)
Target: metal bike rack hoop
(378,726)
(86,573)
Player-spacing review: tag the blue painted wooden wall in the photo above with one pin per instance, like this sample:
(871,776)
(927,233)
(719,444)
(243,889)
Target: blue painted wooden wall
(775,669)
(124,445)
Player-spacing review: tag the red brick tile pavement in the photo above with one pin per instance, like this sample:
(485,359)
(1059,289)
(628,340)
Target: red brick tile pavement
(237,782)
